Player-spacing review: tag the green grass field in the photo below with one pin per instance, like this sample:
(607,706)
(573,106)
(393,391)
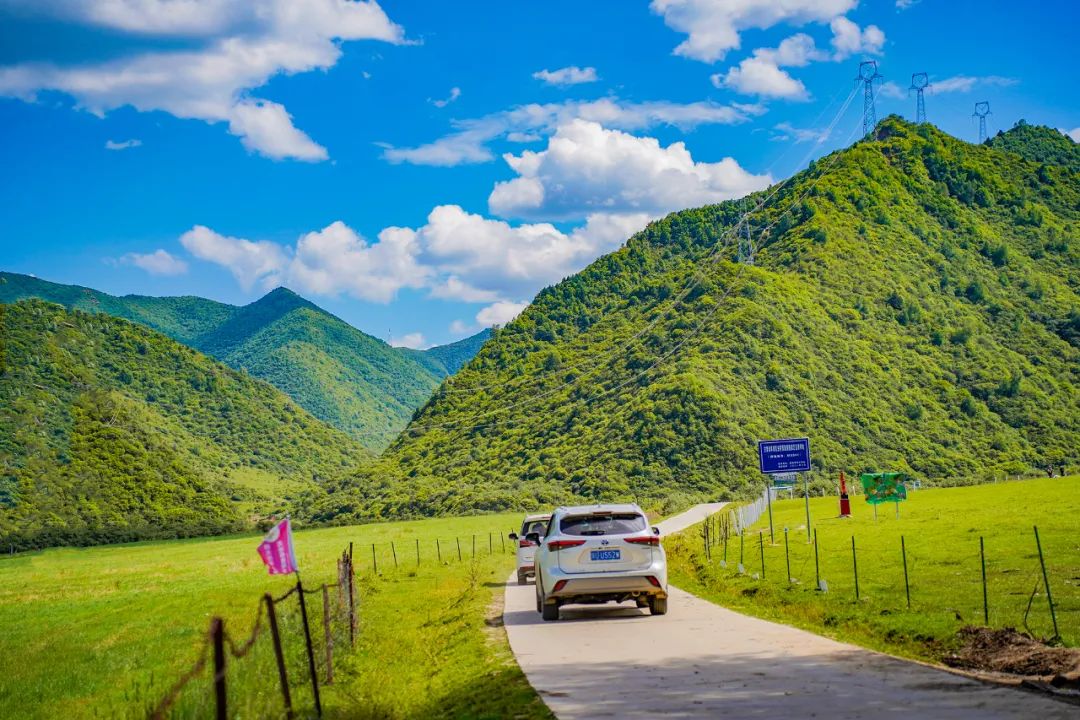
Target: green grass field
(104,631)
(941,530)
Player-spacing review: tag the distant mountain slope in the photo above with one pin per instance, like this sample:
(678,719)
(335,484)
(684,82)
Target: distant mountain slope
(181,318)
(353,381)
(110,431)
(914,305)
(457,355)
(1040,144)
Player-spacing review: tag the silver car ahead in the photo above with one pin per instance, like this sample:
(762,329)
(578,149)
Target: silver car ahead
(599,554)
(532,525)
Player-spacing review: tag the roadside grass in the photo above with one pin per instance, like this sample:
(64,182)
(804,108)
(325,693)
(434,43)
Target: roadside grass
(104,631)
(941,530)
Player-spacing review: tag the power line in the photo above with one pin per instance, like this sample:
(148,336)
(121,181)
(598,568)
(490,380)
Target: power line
(919,82)
(527,401)
(867,75)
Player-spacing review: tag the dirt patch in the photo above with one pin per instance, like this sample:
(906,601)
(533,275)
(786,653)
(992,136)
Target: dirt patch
(1015,653)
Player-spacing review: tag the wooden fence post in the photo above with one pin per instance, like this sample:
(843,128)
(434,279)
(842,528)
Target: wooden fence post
(438,550)
(217,635)
(327,635)
(458,548)
(276,636)
(394,550)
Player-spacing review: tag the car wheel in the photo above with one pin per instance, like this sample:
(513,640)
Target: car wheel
(657,605)
(550,611)
(641,602)
(523,578)
(539,600)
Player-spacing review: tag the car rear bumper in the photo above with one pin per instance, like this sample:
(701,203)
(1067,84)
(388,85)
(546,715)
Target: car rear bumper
(606,585)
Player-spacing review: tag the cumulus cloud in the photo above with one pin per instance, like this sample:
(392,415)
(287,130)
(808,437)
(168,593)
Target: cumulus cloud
(712,27)
(249,262)
(230,49)
(500,313)
(455,93)
(414,341)
(761,73)
(468,143)
(849,39)
(455,255)
(572,75)
(786,131)
(159,262)
(122,145)
(587,168)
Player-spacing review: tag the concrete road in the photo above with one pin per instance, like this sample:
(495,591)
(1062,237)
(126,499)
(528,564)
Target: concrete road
(703,661)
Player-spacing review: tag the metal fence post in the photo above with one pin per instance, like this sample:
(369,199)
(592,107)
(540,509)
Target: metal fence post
(907,585)
(279,655)
(986,601)
(474,546)
(438,550)
(761,548)
(787,556)
(855,567)
(491,550)
(217,634)
(1046,583)
(394,551)
(374,560)
(417,552)
(310,650)
(458,548)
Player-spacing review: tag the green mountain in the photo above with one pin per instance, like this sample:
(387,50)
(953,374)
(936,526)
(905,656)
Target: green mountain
(347,378)
(1039,143)
(457,355)
(914,305)
(110,431)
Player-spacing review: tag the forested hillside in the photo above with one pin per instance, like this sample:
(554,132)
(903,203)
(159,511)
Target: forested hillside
(913,306)
(110,431)
(347,378)
(1039,143)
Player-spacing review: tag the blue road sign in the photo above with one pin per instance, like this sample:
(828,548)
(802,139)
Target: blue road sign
(784,456)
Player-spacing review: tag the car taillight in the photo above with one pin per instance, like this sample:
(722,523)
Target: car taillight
(652,581)
(559,586)
(644,540)
(560,544)
(526,543)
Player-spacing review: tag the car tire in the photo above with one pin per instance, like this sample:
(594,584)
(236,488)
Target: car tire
(539,600)
(523,578)
(657,605)
(641,602)
(549,611)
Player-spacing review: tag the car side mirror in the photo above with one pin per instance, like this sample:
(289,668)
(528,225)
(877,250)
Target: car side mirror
(655,530)
(513,536)
(533,537)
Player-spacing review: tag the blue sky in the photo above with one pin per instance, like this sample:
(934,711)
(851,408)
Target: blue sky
(422,169)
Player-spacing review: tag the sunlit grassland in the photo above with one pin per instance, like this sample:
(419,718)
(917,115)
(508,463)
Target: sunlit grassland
(941,530)
(104,631)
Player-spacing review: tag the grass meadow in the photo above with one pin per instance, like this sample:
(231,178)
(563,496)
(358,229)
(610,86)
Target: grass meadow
(104,631)
(941,530)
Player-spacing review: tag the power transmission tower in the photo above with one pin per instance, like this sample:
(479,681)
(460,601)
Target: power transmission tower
(746,247)
(919,82)
(982,109)
(867,75)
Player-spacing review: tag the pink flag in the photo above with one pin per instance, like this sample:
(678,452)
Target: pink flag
(276,549)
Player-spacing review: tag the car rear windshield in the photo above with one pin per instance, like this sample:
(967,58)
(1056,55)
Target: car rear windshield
(536,526)
(602,524)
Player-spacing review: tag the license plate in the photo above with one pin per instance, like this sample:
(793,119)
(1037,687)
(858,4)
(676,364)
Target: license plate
(596,555)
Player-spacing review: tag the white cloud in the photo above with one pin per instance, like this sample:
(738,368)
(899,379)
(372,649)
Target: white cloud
(336,259)
(522,137)
(587,168)
(460,327)
(159,262)
(469,142)
(713,26)
(953,84)
(849,39)
(454,288)
(500,313)
(413,341)
(233,48)
(249,262)
(572,75)
(905,4)
(455,93)
(122,145)
(1074,133)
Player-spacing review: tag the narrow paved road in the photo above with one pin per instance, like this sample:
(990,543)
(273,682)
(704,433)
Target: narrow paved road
(703,661)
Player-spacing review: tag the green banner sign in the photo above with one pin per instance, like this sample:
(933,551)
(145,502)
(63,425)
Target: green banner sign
(884,487)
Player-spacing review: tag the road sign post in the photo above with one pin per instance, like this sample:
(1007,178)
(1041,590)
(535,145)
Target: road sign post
(782,459)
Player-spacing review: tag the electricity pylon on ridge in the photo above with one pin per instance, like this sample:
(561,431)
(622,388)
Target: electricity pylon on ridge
(746,247)
(982,109)
(867,75)
(919,82)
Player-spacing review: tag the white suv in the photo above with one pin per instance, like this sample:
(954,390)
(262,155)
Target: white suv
(598,554)
(535,525)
